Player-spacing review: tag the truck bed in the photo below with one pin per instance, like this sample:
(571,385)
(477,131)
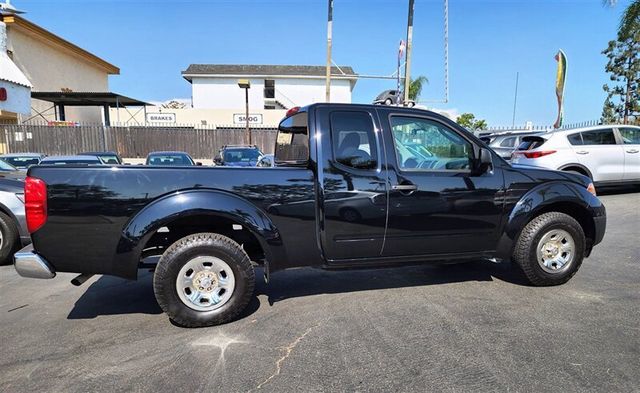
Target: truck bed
(89,207)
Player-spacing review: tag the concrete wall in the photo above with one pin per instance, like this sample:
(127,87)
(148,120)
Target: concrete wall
(52,68)
(224,93)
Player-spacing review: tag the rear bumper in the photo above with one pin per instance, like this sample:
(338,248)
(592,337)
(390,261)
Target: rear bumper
(31,265)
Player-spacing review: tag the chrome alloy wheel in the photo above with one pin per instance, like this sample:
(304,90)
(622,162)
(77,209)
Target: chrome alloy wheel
(205,283)
(556,251)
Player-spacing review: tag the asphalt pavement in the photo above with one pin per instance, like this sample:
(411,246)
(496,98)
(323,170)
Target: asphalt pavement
(450,328)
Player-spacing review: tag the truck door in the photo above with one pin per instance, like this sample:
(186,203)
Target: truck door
(437,205)
(353,196)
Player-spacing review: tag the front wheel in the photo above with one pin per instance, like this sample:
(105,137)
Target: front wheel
(204,279)
(550,249)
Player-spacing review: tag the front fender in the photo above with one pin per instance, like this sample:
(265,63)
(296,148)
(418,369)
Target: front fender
(541,198)
(183,204)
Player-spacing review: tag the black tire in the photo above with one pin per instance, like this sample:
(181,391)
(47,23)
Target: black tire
(525,255)
(10,239)
(203,244)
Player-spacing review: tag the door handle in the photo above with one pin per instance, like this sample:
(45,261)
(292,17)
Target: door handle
(404,187)
(633,151)
(582,152)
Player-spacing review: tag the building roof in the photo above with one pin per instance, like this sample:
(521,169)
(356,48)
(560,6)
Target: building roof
(11,73)
(239,70)
(87,99)
(18,22)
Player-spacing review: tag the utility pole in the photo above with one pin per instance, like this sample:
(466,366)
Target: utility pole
(515,101)
(407,67)
(328,73)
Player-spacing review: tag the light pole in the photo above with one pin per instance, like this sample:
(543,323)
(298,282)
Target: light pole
(246,85)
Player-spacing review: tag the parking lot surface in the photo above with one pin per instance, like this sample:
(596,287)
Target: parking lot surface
(470,327)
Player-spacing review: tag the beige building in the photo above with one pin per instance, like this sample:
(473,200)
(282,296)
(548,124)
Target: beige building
(53,64)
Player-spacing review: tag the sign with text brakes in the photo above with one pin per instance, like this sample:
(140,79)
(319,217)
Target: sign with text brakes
(161,117)
(241,118)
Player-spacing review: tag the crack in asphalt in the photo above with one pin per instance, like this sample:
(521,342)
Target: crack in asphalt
(287,351)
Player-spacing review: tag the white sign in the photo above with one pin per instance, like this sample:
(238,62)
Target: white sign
(161,117)
(241,118)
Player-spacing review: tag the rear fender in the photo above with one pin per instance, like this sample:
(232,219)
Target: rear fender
(183,204)
(541,198)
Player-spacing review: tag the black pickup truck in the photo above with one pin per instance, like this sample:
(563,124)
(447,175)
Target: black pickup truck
(353,186)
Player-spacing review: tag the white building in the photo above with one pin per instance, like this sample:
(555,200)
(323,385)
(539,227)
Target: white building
(273,87)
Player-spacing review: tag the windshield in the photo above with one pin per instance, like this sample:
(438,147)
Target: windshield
(109,160)
(4,166)
(71,162)
(241,155)
(170,160)
(22,162)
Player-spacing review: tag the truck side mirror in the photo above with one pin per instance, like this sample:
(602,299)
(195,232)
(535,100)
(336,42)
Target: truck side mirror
(217,160)
(485,162)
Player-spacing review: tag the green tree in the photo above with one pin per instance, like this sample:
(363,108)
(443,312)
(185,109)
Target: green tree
(415,87)
(469,121)
(609,115)
(630,20)
(623,92)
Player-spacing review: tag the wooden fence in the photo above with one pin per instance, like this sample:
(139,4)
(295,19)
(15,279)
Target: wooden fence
(130,142)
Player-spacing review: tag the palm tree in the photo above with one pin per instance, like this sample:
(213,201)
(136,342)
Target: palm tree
(630,21)
(415,87)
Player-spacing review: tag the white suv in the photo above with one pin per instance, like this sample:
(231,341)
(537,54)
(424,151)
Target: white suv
(607,154)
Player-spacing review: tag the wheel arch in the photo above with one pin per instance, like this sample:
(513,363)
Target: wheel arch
(194,208)
(579,168)
(563,197)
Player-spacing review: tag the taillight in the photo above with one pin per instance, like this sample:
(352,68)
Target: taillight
(533,154)
(35,203)
(292,111)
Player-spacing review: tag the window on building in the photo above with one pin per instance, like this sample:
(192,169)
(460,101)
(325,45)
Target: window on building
(354,140)
(269,106)
(269,88)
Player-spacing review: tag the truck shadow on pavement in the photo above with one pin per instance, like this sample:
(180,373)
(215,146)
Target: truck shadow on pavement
(112,296)
(308,282)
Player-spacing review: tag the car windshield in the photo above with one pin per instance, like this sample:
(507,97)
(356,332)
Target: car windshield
(241,155)
(109,159)
(170,160)
(4,166)
(22,162)
(71,162)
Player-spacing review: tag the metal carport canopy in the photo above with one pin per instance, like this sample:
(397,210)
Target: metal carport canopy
(102,99)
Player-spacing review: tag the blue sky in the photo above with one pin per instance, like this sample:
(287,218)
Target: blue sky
(152,41)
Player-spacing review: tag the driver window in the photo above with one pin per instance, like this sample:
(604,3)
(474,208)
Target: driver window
(425,145)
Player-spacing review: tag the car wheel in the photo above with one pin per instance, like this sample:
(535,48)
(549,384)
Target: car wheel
(9,239)
(388,101)
(203,279)
(550,249)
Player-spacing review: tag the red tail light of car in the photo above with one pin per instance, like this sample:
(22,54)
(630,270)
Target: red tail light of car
(533,154)
(35,203)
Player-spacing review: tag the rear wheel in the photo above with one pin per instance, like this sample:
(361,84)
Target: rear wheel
(9,239)
(203,279)
(388,101)
(550,249)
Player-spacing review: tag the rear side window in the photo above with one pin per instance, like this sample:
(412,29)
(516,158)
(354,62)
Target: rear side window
(292,142)
(598,137)
(353,139)
(531,142)
(508,142)
(575,139)
(630,136)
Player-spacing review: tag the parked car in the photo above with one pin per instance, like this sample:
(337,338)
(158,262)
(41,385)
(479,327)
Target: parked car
(609,155)
(170,158)
(6,167)
(391,97)
(71,160)
(238,155)
(506,143)
(13,225)
(22,160)
(341,197)
(107,157)
(266,160)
